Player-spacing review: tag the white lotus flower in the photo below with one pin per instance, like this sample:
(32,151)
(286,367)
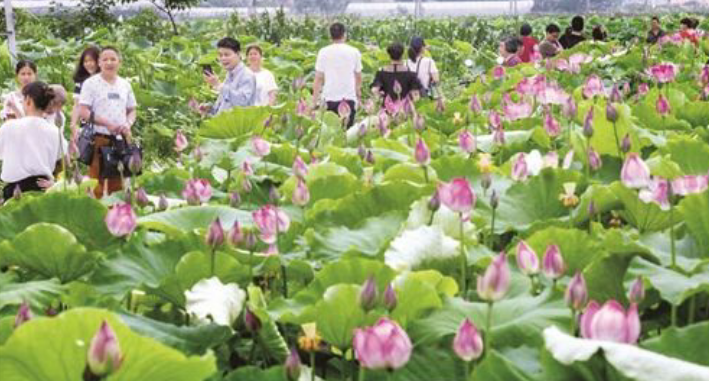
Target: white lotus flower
(446,219)
(535,162)
(415,247)
(211,300)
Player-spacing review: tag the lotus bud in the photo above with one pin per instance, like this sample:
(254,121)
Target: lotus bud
(643,89)
(486,181)
(527,259)
(625,145)
(466,141)
(236,235)
(434,203)
(663,106)
(24,314)
(611,113)
(494,283)
(382,346)
(553,263)
(368,295)
(180,141)
(197,191)
(215,234)
(498,137)
(369,157)
(128,196)
(246,186)
(419,122)
(519,167)
(344,110)
(162,202)
(260,146)
(457,195)
(234,199)
(615,97)
(498,73)
(293,365)
(301,195)
(250,240)
(390,299)
(251,321)
(475,106)
(421,153)
(17,193)
(141,197)
(104,356)
(569,108)
(635,173)
(361,151)
(551,125)
(273,195)
(637,291)
(610,322)
(588,124)
(197,154)
(135,163)
(468,343)
(121,221)
(494,199)
(576,294)
(594,160)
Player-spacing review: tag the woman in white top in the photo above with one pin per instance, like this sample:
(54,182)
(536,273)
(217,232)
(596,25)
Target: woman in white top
(30,147)
(266,87)
(424,67)
(12,103)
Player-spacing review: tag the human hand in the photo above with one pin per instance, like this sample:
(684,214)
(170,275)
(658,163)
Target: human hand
(45,183)
(212,79)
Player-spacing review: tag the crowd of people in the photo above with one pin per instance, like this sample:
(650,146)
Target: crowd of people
(32,144)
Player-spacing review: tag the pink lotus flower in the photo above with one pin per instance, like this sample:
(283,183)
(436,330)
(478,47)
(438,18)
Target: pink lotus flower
(687,185)
(594,86)
(663,73)
(494,283)
(121,220)
(215,234)
(104,356)
(270,222)
(344,110)
(643,89)
(611,322)
(551,160)
(663,106)
(382,346)
(475,106)
(24,314)
(658,192)
(635,173)
(569,108)
(260,146)
(495,120)
(576,294)
(551,125)
(421,153)
(197,191)
(553,263)
(552,95)
(301,195)
(527,259)
(180,141)
(466,141)
(519,167)
(498,73)
(498,136)
(526,87)
(561,64)
(383,122)
(467,343)
(514,111)
(577,59)
(300,169)
(636,294)
(392,107)
(457,195)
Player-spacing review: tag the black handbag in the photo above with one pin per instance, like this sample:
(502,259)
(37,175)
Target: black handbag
(115,159)
(85,142)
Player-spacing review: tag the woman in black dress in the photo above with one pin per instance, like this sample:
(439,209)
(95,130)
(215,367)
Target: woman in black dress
(85,68)
(395,80)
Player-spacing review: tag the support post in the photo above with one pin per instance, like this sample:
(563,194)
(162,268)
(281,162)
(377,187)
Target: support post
(10,32)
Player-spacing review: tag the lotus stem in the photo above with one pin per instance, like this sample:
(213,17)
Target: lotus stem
(425,173)
(463,261)
(466,366)
(692,309)
(251,265)
(488,327)
(212,260)
(673,316)
(492,229)
(617,141)
(672,235)
(573,322)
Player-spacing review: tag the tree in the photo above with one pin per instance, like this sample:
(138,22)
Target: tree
(169,8)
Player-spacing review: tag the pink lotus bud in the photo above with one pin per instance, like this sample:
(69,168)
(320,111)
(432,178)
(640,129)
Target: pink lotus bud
(344,110)
(421,153)
(104,356)
(467,343)
(615,97)
(495,120)
(569,108)
(553,263)
(382,346)
(519,167)
(588,124)
(551,125)
(197,154)
(626,144)
(576,294)
(361,151)
(197,191)
(635,173)
(246,168)
(636,293)
(663,106)
(368,295)
(24,314)
(705,75)
(397,88)
(527,259)
(251,321)
(162,202)
(475,106)
(270,222)
(390,299)
(494,199)
(498,73)
(180,141)
(260,147)
(434,203)
(466,141)
(457,195)
(594,160)
(611,113)
(494,283)
(301,195)
(293,365)
(215,234)
(141,197)
(121,221)
(419,122)
(369,157)
(236,235)
(663,73)
(611,322)
(498,137)
(135,163)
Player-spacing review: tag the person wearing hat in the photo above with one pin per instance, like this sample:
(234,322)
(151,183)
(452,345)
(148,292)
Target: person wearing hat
(424,67)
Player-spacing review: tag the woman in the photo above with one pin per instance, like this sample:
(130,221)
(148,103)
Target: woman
(111,100)
(85,68)
(25,73)
(30,147)
(508,50)
(687,30)
(266,87)
(424,67)
(396,81)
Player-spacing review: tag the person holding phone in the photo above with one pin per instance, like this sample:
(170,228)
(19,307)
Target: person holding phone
(239,87)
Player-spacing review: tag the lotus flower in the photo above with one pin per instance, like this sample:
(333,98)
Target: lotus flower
(527,259)
(421,153)
(519,167)
(270,222)
(260,146)
(658,192)
(635,173)
(215,234)
(594,160)
(552,95)
(180,141)
(211,300)
(568,198)
(104,356)
(514,111)
(24,314)
(246,168)
(382,346)
(611,322)
(495,120)
(494,283)
(663,106)
(643,89)
(467,343)
(576,294)
(457,195)
(615,97)
(293,365)
(663,73)
(390,299)
(594,86)
(344,110)
(553,263)
(687,185)
(121,220)
(704,77)
(162,202)
(301,195)
(569,108)
(467,143)
(498,73)
(551,126)
(475,106)
(577,59)
(197,191)
(392,107)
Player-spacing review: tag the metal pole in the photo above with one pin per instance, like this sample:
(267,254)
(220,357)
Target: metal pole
(10,22)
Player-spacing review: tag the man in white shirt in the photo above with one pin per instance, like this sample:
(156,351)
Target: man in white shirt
(339,67)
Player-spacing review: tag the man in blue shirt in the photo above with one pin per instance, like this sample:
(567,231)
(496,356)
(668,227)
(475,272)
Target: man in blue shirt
(239,87)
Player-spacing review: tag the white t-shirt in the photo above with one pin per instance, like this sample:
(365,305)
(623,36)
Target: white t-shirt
(11,102)
(29,147)
(424,68)
(108,100)
(339,62)
(265,83)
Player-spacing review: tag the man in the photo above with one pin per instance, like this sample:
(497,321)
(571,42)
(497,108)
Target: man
(529,43)
(239,87)
(575,36)
(550,47)
(656,32)
(339,67)
(508,51)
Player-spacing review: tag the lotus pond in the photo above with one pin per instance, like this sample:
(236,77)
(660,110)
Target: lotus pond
(544,222)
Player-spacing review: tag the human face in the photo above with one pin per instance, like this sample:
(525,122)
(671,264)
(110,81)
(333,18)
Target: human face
(26,76)
(553,36)
(109,62)
(90,64)
(254,58)
(228,58)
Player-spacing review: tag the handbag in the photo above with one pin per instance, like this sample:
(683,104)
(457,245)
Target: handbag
(115,159)
(85,142)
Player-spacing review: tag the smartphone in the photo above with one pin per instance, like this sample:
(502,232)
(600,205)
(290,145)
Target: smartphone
(207,69)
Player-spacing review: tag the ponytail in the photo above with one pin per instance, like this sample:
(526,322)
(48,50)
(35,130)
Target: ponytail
(40,93)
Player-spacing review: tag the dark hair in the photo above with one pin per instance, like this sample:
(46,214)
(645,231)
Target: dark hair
(553,28)
(688,22)
(525,30)
(23,64)
(512,45)
(337,30)
(229,43)
(395,51)
(81,74)
(577,24)
(40,93)
(655,18)
(598,33)
(415,47)
(254,47)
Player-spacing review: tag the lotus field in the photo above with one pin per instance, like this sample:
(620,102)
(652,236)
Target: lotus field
(544,222)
